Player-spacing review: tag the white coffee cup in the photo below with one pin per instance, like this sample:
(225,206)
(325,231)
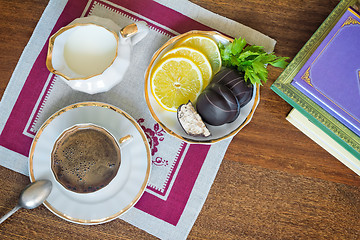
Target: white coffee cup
(86,157)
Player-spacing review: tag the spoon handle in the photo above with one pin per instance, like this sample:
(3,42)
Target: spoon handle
(17,207)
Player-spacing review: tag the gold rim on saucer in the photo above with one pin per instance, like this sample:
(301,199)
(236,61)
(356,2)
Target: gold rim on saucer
(153,114)
(87,104)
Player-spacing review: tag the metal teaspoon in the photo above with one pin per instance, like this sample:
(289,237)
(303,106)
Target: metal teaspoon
(32,196)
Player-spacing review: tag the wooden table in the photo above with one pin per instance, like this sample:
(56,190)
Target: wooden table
(274,182)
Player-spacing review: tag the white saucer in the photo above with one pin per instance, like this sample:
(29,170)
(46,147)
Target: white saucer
(121,193)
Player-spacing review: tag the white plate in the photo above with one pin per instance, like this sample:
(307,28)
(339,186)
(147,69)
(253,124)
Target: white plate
(121,193)
(168,120)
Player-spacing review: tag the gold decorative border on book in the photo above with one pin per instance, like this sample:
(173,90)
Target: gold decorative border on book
(306,76)
(350,21)
(283,86)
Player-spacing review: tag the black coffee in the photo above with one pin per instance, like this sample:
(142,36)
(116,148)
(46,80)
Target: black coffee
(85,159)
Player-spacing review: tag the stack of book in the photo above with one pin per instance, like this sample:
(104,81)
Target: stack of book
(322,83)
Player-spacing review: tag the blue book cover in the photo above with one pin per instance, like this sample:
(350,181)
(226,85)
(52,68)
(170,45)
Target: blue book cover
(331,76)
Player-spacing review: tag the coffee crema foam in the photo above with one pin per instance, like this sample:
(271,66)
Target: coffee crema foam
(85,159)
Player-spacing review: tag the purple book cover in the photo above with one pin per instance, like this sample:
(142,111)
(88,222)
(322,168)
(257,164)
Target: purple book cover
(331,76)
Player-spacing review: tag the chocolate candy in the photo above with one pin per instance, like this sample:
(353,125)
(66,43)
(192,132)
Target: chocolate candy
(234,80)
(191,121)
(217,105)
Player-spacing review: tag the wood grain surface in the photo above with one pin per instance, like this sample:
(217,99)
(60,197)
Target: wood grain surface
(274,182)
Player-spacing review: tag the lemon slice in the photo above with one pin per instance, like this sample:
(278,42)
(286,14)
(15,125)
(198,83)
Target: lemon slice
(205,45)
(175,81)
(197,57)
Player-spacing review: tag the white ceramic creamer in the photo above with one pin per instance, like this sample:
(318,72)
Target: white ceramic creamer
(91,55)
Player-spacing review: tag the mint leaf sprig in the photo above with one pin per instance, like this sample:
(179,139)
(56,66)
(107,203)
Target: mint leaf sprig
(250,59)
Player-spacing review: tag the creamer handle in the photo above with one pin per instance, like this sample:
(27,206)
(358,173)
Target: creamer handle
(135,31)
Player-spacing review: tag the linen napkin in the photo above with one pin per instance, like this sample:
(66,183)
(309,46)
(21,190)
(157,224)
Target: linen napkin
(182,173)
